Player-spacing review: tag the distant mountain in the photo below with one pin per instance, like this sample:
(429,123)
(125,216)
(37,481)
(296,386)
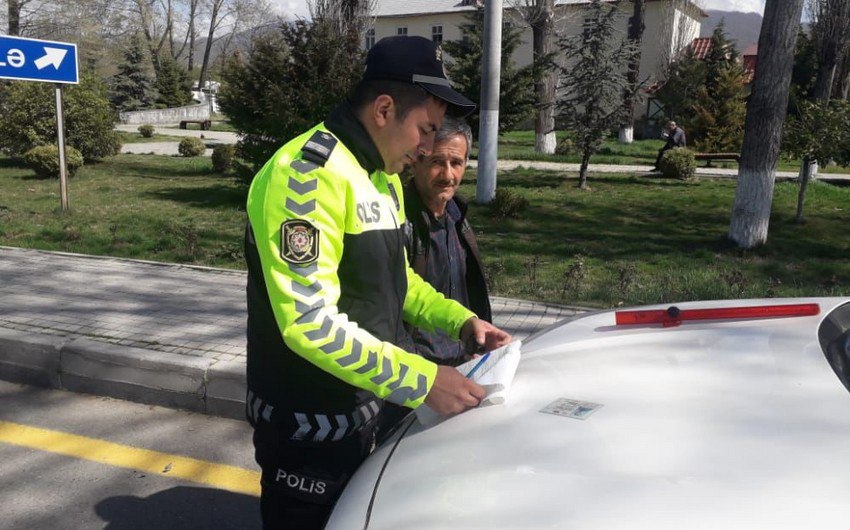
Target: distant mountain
(743,28)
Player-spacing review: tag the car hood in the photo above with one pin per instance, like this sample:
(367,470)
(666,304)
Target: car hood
(732,424)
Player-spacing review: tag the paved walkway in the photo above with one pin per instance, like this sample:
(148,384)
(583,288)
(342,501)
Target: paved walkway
(214,137)
(152,332)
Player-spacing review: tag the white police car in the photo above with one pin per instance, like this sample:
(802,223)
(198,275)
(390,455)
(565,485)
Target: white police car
(736,419)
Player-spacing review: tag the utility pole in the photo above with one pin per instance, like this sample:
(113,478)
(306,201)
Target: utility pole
(488,129)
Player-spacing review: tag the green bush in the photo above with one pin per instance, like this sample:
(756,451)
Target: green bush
(678,163)
(222,157)
(191,146)
(44,160)
(28,118)
(565,147)
(508,203)
(146,131)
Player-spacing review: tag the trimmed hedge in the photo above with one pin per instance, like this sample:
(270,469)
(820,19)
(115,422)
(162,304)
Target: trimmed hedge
(146,131)
(222,157)
(191,146)
(678,163)
(44,160)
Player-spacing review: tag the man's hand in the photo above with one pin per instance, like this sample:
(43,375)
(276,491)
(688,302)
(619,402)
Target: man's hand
(484,334)
(452,393)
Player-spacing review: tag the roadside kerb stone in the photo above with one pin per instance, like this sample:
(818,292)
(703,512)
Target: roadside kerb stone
(30,358)
(134,374)
(226,386)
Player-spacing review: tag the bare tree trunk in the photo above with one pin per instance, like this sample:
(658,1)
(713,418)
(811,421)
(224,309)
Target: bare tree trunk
(804,182)
(831,19)
(636,27)
(844,79)
(582,172)
(216,7)
(765,118)
(14,17)
(543,33)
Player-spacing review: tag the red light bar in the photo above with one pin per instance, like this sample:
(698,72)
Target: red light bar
(673,316)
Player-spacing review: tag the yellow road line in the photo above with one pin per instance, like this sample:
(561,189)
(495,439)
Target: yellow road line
(230,478)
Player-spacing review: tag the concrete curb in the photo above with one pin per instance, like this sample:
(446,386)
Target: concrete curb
(134,374)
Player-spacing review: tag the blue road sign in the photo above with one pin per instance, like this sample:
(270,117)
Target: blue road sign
(38,60)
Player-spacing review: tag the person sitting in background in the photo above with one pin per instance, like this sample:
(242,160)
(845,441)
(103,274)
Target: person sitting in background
(441,246)
(675,138)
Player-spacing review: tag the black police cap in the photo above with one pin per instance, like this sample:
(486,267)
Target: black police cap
(419,61)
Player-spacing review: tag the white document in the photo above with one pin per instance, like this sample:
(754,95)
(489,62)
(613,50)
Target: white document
(495,374)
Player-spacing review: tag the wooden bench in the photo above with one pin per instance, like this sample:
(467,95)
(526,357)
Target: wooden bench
(205,124)
(709,157)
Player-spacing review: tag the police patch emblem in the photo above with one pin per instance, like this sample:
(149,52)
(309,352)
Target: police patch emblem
(299,242)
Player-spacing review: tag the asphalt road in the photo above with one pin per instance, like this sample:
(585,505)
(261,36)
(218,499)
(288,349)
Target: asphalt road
(71,461)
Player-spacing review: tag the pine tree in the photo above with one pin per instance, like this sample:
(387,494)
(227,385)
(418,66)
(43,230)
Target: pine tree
(172,83)
(133,86)
(271,96)
(594,80)
(464,66)
(680,91)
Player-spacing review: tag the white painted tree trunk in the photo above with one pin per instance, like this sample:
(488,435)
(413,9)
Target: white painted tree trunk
(545,143)
(627,135)
(763,128)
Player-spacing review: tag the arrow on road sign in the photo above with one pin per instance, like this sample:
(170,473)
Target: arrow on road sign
(52,56)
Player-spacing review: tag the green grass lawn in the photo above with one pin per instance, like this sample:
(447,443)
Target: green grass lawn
(519,145)
(630,240)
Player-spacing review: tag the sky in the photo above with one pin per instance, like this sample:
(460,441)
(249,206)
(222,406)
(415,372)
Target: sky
(299,7)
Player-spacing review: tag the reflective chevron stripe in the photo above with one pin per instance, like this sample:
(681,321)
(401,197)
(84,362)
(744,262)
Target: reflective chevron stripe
(300,209)
(401,373)
(406,393)
(304,271)
(307,291)
(342,422)
(303,188)
(371,363)
(322,332)
(336,344)
(303,166)
(308,312)
(386,372)
(324,428)
(304,427)
(249,410)
(353,357)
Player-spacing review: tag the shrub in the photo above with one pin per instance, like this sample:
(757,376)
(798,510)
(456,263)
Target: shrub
(146,131)
(28,118)
(44,160)
(678,163)
(508,203)
(191,146)
(222,157)
(565,147)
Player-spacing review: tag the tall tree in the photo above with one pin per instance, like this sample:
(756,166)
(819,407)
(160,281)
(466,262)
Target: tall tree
(540,16)
(215,21)
(831,31)
(766,112)
(15,16)
(516,98)
(594,80)
(133,85)
(637,25)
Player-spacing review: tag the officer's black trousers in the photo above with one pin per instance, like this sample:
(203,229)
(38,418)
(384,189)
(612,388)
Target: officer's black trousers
(301,481)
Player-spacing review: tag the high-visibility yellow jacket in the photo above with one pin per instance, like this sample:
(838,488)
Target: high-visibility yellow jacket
(329,284)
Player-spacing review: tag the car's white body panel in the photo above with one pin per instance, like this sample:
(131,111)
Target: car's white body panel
(708,425)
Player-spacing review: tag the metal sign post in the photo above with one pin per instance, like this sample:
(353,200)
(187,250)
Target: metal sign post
(60,133)
(49,61)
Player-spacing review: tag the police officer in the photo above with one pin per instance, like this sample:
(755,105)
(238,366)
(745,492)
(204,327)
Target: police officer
(329,287)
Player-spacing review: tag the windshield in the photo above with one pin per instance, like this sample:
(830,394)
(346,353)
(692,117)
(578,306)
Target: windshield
(834,336)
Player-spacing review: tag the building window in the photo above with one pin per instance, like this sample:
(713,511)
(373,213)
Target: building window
(370,38)
(437,34)
(402,31)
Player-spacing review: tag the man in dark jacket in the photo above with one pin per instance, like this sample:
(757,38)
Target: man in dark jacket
(675,138)
(441,246)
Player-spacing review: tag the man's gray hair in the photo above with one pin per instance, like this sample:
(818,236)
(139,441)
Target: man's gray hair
(451,127)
